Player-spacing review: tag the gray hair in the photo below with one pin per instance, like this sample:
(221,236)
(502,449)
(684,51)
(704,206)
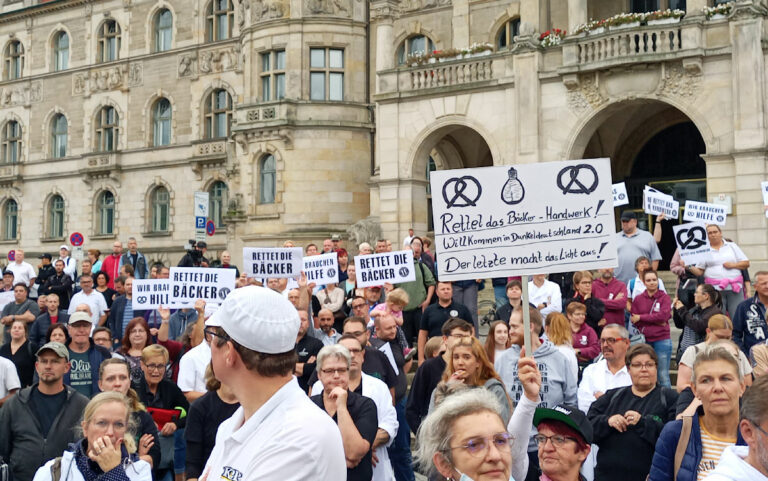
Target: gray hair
(364,245)
(753,405)
(436,431)
(717,351)
(623,332)
(336,351)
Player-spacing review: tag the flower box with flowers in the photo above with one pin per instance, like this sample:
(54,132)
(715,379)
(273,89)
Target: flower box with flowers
(718,11)
(661,17)
(552,37)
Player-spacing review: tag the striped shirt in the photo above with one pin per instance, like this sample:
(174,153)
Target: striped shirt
(711,449)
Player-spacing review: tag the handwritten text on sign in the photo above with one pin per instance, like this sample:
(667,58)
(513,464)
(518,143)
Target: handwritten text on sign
(153,293)
(278,262)
(322,269)
(191,283)
(377,269)
(693,242)
(704,212)
(527,219)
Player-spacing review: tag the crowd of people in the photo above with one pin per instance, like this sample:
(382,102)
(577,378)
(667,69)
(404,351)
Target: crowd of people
(289,380)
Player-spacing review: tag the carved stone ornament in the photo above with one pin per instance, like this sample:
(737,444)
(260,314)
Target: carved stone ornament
(261,135)
(263,10)
(411,5)
(110,78)
(678,81)
(337,8)
(187,65)
(743,10)
(219,60)
(21,95)
(583,93)
(385,12)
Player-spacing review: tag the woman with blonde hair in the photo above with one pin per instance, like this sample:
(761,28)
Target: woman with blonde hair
(558,331)
(468,364)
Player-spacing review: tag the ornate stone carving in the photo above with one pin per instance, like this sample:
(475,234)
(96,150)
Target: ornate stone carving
(88,9)
(583,93)
(111,78)
(678,81)
(36,92)
(285,135)
(338,8)
(23,95)
(365,230)
(218,147)
(385,12)
(187,65)
(268,9)
(215,61)
(411,5)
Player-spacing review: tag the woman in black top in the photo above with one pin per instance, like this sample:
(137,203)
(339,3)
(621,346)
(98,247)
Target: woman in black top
(20,352)
(205,416)
(629,420)
(102,279)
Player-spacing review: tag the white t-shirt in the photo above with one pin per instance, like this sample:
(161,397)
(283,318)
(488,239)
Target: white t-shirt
(95,301)
(9,378)
(192,368)
(21,272)
(713,268)
(598,378)
(288,438)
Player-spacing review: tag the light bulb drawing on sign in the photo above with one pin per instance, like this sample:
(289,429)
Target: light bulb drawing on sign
(513,191)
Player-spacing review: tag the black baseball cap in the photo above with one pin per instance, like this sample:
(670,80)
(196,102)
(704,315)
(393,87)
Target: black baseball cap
(628,215)
(45,256)
(202,245)
(569,415)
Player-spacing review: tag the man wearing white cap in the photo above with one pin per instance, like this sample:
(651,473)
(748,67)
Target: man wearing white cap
(70,265)
(277,433)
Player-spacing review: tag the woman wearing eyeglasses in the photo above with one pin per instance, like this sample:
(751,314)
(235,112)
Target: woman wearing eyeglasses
(628,420)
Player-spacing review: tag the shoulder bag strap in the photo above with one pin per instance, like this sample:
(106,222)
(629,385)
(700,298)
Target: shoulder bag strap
(682,443)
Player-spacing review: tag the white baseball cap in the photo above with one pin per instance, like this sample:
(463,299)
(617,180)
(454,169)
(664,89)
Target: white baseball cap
(258,318)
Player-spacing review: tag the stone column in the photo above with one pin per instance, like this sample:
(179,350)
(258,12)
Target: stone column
(382,16)
(527,102)
(577,14)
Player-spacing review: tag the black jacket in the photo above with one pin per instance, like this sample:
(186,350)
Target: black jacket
(43,274)
(115,318)
(21,439)
(60,285)
(169,396)
(40,327)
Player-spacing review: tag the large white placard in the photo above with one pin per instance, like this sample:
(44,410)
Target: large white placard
(693,242)
(322,269)
(272,262)
(153,293)
(191,283)
(523,220)
(620,196)
(657,203)
(704,212)
(377,269)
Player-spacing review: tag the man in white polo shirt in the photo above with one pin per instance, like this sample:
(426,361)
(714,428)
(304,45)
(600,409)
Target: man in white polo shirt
(277,433)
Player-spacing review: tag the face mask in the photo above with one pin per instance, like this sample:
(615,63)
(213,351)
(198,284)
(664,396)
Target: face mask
(464,477)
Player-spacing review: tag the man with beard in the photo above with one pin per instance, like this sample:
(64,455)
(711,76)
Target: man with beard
(325,331)
(613,293)
(60,284)
(307,347)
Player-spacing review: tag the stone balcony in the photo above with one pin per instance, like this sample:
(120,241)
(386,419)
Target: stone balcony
(100,165)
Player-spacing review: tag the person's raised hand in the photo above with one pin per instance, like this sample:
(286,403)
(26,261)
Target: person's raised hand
(105,454)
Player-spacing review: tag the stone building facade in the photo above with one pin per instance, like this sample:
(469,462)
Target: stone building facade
(301,117)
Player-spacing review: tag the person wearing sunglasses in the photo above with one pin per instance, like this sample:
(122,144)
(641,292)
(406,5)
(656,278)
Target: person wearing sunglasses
(629,419)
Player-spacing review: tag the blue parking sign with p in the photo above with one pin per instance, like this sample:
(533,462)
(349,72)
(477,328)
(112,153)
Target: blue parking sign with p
(200,222)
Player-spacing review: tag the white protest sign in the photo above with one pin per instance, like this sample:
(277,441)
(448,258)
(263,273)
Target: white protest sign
(153,293)
(377,269)
(322,269)
(620,196)
(191,283)
(764,190)
(704,212)
(693,242)
(522,220)
(272,262)
(656,203)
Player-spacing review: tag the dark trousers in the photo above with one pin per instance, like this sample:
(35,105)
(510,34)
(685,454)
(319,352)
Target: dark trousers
(411,324)
(534,472)
(400,450)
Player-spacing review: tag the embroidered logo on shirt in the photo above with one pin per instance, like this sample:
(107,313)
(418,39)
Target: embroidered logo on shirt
(231,474)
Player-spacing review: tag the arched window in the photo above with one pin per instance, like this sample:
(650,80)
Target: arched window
(267,171)
(109,41)
(106,214)
(218,114)
(163,30)
(10,219)
(11,142)
(14,60)
(219,16)
(107,129)
(161,122)
(60,51)
(58,136)
(56,217)
(217,202)
(507,34)
(161,210)
(418,44)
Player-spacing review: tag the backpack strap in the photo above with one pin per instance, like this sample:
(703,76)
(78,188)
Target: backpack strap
(682,443)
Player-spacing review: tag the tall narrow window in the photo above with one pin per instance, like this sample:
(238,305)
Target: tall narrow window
(163,30)
(217,202)
(11,142)
(508,33)
(14,60)
(56,217)
(10,219)
(61,51)
(106,213)
(218,114)
(326,74)
(59,136)
(273,75)
(218,20)
(267,180)
(161,209)
(107,129)
(641,6)
(416,45)
(161,122)
(109,41)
